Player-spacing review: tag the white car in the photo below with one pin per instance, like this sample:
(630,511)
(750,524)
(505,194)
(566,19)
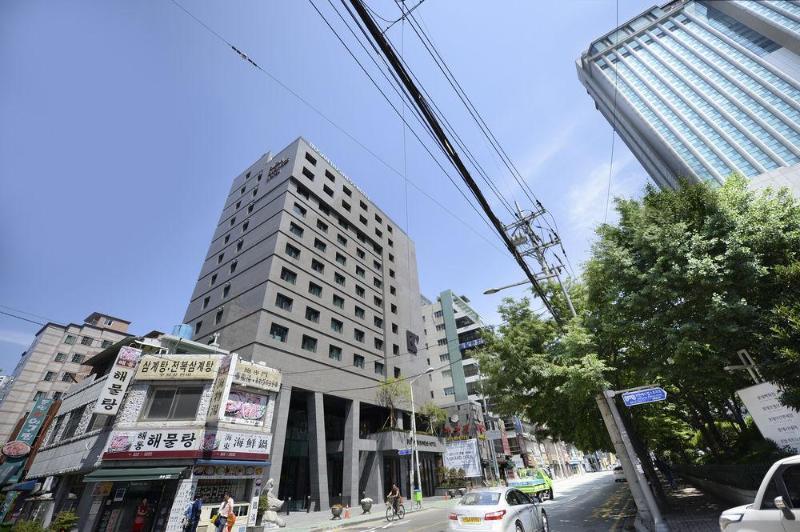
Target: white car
(502,508)
(776,507)
(619,474)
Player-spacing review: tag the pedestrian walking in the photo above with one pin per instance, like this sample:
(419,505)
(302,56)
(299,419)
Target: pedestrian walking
(225,516)
(192,514)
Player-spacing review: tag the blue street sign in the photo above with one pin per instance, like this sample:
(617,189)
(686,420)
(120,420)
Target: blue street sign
(404,452)
(640,397)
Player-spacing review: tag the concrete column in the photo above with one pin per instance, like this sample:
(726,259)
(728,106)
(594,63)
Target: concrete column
(317,450)
(373,463)
(351,453)
(279,421)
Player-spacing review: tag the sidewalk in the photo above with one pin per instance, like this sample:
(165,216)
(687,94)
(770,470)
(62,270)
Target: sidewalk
(322,520)
(691,510)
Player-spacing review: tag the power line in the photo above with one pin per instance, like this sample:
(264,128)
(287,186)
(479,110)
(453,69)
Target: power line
(335,125)
(613,127)
(21,318)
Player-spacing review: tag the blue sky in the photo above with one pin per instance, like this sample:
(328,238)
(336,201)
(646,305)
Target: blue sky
(124,122)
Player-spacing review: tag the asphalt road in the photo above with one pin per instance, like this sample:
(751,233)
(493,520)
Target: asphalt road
(592,502)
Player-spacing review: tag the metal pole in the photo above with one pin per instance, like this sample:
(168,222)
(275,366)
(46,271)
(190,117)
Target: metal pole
(415,451)
(650,502)
(492,452)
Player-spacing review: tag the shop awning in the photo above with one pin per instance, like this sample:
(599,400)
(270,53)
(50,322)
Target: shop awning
(29,485)
(120,474)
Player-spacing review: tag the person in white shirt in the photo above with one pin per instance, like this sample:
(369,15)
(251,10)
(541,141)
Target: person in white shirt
(225,510)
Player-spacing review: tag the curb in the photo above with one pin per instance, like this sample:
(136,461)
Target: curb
(342,523)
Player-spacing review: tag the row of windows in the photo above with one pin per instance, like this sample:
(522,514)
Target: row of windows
(309,343)
(76,358)
(66,376)
(70,339)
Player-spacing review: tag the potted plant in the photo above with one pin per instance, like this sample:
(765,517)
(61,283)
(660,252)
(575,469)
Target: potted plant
(336,511)
(366,504)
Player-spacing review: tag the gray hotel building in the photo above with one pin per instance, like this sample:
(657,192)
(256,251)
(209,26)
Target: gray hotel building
(704,89)
(307,275)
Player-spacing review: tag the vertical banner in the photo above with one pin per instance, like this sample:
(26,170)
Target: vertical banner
(222,387)
(33,423)
(117,382)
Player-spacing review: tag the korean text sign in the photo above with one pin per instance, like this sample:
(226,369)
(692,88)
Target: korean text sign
(463,454)
(146,443)
(177,367)
(117,381)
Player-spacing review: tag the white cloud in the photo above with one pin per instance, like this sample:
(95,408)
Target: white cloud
(16,337)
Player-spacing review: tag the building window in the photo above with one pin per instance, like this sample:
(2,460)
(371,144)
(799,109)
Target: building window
(360,271)
(220,258)
(311,159)
(320,245)
(393,290)
(394,328)
(341,240)
(334,352)
(395,349)
(299,210)
(338,301)
(377,282)
(393,308)
(206,301)
(327,190)
(378,219)
(245,225)
(233,221)
(378,232)
(308,173)
(258,177)
(330,176)
(98,421)
(378,344)
(444,357)
(213,280)
(449,391)
(227,239)
(172,403)
(322,226)
(358,361)
(391,273)
(363,206)
(379,368)
(442,341)
(197,327)
(343,223)
(314,289)
(255,192)
(250,207)
(347,191)
(278,332)
(312,314)
(396,373)
(360,253)
(226,290)
(377,321)
(360,291)
(50,376)
(362,219)
(391,244)
(87,340)
(358,335)
(360,312)
(283,302)
(242,190)
(68,377)
(346,206)
(317,266)
(292,251)
(440,327)
(218,317)
(336,325)
(78,359)
(378,301)
(288,275)
(73,422)
(61,357)
(448,373)
(338,278)
(438,314)
(233,266)
(341,259)
(238,204)
(296,229)
(309,343)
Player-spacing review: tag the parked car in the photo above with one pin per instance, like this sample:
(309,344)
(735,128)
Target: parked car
(776,507)
(533,481)
(503,508)
(619,474)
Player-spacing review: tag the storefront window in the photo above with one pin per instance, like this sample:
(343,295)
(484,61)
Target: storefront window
(172,403)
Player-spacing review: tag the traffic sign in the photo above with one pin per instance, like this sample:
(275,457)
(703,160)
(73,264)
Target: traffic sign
(640,397)
(404,452)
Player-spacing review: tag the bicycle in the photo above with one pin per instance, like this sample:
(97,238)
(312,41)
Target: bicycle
(391,512)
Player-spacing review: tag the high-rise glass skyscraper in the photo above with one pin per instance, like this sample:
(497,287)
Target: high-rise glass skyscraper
(704,89)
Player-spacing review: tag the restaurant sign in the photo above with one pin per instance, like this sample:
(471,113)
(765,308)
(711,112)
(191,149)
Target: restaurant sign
(257,376)
(33,423)
(177,367)
(117,382)
(242,445)
(145,443)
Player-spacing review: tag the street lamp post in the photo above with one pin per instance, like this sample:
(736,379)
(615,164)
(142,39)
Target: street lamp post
(415,450)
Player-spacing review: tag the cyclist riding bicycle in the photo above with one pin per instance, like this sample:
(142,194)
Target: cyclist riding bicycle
(394,497)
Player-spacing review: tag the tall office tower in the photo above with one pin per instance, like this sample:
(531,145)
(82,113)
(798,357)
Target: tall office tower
(53,363)
(704,89)
(306,274)
(452,330)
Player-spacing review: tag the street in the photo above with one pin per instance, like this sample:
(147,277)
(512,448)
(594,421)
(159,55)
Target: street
(590,502)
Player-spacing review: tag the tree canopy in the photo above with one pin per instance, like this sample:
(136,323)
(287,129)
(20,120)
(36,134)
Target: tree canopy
(682,282)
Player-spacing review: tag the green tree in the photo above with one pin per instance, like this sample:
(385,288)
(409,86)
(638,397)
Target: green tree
(391,394)
(436,415)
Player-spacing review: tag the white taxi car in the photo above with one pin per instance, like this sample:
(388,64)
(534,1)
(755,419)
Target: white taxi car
(501,509)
